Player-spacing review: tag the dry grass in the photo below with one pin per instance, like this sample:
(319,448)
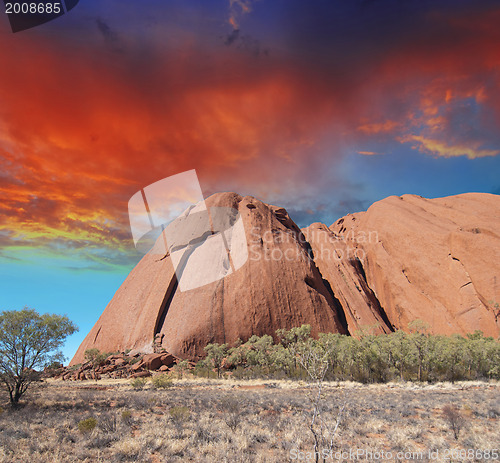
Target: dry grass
(240,421)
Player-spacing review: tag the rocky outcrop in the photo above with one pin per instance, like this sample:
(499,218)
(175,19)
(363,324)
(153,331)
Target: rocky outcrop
(341,266)
(279,286)
(437,260)
(131,365)
(406,258)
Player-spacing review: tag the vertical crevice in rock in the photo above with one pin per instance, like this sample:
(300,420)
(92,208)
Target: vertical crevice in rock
(167,300)
(336,306)
(217,302)
(97,334)
(375,303)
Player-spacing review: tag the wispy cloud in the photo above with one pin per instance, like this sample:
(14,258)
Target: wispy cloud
(381,127)
(237,9)
(368,153)
(439,148)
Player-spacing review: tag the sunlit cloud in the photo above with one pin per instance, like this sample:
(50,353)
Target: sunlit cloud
(237,9)
(438,148)
(268,127)
(383,127)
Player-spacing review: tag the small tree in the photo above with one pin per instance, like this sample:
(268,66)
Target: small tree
(181,368)
(419,338)
(315,357)
(454,418)
(216,353)
(29,341)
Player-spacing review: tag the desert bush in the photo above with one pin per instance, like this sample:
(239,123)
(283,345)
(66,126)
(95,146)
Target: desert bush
(138,383)
(454,418)
(128,450)
(162,381)
(87,425)
(100,441)
(230,408)
(96,359)
(107,423)
(127,417)
(181,368)
(179,416)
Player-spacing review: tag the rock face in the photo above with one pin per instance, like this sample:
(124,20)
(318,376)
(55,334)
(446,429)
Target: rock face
(279,286)
(436,260)
(406,258)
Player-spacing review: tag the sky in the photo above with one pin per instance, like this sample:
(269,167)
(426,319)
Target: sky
(320,106)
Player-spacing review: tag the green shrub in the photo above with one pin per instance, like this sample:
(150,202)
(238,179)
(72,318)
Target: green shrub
(87,425)
(179,416)
(203,370)
(179,413)
(181,368)
(127,416)
(138,383)
(162,381)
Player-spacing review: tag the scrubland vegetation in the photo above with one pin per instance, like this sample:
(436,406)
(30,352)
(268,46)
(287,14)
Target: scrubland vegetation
(414,356)
(397,397)
(242,421)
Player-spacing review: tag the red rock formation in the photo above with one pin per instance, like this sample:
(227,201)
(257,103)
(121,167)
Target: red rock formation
(278,287)
(437,260)
(405,258)
(341,267)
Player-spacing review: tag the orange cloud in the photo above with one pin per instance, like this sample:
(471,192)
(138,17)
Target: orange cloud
(384,127)
(439,148)
(80,139)
(237,8)
(94,125)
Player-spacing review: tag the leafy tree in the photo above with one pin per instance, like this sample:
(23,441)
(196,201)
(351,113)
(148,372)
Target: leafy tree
(290,338)
(294,335)
(260,351)
(419,338)
(377,357)
(451,356)
(347,357)
(237,355)
(332,343)
(29,341)
(216,353)
(403,354)
(181,368)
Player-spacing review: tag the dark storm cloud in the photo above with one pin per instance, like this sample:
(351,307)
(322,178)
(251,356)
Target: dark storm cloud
(109,34)
(342,34)
(232,37)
